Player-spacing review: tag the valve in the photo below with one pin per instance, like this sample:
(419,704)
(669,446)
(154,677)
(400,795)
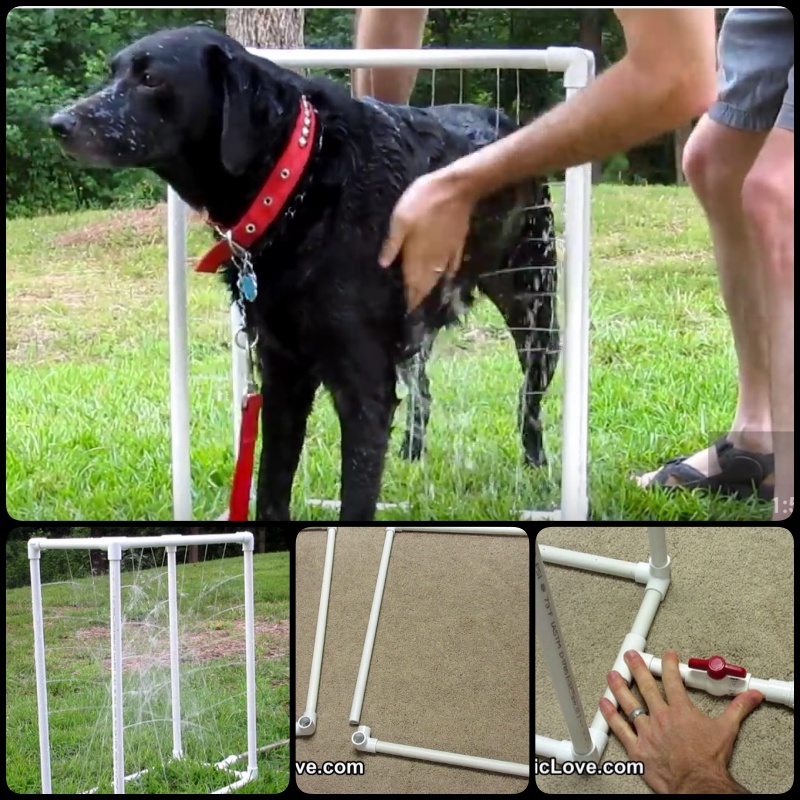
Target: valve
(717,668)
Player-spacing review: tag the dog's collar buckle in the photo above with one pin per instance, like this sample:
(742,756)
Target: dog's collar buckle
(271,200)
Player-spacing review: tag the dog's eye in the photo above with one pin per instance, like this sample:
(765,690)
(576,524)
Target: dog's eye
(148,79)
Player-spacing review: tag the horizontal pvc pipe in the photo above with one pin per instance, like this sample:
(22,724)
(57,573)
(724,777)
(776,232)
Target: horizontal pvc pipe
(362,740)
(372,626)
(554,59)
(128,542)
(307,723)
(559,749)
(486,531)
(639,572)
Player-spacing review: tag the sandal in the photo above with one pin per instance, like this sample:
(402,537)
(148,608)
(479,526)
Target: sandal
(742,474)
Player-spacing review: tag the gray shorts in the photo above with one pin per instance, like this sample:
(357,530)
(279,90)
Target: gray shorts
(756,70)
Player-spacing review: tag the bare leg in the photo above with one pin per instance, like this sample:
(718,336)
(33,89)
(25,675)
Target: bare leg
(385,28)
(768,199)
(717,160)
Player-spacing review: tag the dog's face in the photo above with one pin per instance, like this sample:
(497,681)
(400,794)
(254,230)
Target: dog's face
(168,91)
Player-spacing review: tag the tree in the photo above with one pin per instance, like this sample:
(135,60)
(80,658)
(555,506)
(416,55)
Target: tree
(279,28)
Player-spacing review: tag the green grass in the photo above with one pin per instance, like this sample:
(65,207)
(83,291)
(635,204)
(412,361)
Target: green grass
(87,371)
(212,679)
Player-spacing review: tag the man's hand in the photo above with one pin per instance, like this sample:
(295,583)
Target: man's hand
(683,750)
(429,227)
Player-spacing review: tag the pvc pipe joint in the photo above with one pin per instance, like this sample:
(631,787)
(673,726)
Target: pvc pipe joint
(307,724)
(363,740)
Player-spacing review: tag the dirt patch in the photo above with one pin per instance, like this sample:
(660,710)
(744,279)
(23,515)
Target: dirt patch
(139,224)
(146,645)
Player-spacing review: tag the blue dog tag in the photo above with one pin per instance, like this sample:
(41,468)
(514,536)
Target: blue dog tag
(248,286)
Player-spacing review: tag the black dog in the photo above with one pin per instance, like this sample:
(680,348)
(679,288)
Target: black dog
(213,121)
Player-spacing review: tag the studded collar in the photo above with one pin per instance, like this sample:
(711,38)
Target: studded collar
(272,198)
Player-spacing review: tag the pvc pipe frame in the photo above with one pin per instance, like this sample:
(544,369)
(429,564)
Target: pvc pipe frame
(578,68)
(362,738)
(588,743)
(307,723)
(115,545)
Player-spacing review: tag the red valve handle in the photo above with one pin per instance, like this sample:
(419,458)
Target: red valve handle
(717,668)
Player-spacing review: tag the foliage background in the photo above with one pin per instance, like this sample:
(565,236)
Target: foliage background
(54,55)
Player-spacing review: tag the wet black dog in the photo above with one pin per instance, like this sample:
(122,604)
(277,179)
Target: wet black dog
(212,120)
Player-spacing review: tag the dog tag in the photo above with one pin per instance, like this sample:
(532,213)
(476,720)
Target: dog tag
(248,286)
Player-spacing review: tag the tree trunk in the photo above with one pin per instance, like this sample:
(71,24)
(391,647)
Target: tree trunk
(591,38)
(278,28)
(98,558)
(193,552)
(680,138)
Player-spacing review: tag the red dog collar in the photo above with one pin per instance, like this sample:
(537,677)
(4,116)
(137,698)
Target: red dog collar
(273,195)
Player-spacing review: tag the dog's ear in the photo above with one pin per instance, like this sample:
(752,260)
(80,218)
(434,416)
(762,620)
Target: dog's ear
(249,108)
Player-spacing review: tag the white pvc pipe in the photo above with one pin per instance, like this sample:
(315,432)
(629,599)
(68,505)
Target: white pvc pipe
(639,572)
(238,375)
(41,672)
(250,656)
(114,569)
(362,740)
(178,358)
(556,659)
(559,749)
(174,651)
(553,59)
(128,542)
(372,626)
(658,547)
(307,723)
(574,504)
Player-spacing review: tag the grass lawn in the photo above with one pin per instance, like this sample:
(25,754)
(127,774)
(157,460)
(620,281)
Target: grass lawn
(87,407)
(212,679)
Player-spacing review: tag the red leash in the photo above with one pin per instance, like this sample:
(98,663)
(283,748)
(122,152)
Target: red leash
(264,210)
(243,473)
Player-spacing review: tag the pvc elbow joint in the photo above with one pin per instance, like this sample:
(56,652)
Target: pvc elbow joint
(307,724)
(362,740)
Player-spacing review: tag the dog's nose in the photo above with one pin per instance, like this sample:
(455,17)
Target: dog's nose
(63,124)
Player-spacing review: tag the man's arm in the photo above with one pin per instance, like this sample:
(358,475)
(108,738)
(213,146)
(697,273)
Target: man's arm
(384,28)
(666,78)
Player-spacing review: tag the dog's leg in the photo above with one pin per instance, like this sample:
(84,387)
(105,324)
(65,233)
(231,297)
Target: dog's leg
(524,291)
(365,400)
(418,408)
(288,392)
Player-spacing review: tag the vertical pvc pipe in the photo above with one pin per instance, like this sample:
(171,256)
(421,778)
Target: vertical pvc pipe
(250,655)
(174,651)
(573,458)
(34,555)
(578,186)
(238,375)
(178,357)
(658,546)
(114,569)
(369,641)
(322,619)
(557,661)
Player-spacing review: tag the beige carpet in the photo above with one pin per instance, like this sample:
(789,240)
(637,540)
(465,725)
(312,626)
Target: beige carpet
(450,668)
(732,593)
